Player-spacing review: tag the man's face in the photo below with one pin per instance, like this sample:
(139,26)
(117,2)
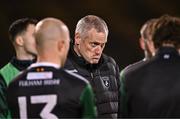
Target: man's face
(29,40)
(91,46)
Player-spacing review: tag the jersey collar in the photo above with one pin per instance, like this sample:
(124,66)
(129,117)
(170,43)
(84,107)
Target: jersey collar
(45,64)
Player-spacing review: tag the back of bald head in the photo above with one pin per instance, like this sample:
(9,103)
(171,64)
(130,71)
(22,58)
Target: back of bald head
(49,30)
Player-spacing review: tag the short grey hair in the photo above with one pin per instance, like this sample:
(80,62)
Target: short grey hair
(91,21)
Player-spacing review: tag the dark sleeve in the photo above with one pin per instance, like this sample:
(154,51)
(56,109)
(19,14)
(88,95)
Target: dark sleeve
(88,102)
(123,100)
(118,76)
(3,102)
(117,72)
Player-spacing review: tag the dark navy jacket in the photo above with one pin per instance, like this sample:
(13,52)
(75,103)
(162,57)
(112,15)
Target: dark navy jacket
(104,78)
(152,88)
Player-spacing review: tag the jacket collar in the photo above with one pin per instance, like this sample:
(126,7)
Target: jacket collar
(21,64)
(167,52)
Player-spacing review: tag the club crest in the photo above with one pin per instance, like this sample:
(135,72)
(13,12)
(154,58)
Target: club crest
(106,81)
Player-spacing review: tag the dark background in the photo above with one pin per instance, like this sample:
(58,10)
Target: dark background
(124,19)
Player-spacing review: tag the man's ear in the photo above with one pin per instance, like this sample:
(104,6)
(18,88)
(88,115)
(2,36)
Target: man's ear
(19,41)
(142,44)
(61,45)
(77,39)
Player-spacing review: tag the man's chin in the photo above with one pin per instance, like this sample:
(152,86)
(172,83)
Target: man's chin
(94,61)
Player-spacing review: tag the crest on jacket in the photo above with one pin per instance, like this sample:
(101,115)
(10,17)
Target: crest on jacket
(106,81)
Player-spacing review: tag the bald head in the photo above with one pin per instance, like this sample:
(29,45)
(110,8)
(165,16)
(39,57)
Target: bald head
(52,38)
(50,29)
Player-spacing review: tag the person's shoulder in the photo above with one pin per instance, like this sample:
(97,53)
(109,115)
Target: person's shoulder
(107,58)
(9,66)
(8,71)
(19,77)
(3,69)
(68,64)
(76,76)
(134,67)
(5,66)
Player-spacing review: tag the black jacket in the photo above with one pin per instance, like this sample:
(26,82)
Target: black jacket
(152,88)
(60,93)
(104,78)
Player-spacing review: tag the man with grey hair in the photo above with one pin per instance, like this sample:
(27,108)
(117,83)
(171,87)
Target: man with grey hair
(87,59)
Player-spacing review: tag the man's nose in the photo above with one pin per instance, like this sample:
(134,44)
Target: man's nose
(98,50)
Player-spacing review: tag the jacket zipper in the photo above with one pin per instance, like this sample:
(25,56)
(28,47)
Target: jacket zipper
(91,72)
(92,76)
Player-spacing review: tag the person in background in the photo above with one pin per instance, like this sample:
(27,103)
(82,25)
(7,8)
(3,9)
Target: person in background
(87,59)
(21,34)
(146,38)
(151,89)
(145,42)
(45,89)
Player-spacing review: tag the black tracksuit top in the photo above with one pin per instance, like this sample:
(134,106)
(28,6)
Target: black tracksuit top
(152,88)
(104,78)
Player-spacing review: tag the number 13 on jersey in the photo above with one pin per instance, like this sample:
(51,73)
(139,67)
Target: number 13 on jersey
(49,100)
